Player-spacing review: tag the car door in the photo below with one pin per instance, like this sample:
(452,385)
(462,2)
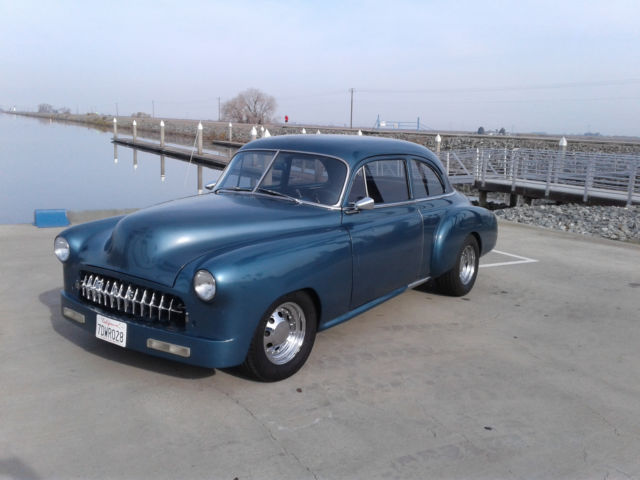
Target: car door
(432,199)
(386,240)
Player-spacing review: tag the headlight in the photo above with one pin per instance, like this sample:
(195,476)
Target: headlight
(61,249)
(205,285)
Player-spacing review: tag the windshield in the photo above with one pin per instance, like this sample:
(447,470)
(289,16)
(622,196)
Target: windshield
(302,176)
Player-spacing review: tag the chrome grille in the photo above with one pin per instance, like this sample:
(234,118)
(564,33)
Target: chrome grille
(137,302)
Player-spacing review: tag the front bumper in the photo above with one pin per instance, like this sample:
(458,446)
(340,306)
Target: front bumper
(204,352)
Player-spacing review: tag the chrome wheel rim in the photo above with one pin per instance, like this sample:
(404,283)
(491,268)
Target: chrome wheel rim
(284,333)
(467,264)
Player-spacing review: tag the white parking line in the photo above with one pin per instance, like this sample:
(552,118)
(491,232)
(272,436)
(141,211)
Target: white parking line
(513,262)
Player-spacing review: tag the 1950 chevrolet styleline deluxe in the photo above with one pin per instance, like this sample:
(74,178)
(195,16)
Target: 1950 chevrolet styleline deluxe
(300,233)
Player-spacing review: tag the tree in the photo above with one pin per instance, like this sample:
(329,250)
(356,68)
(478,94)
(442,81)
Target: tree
(45,108)
(502,131)
(250,106)
(481,131)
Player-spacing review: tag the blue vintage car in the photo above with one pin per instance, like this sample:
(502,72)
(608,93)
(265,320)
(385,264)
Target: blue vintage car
(300,233)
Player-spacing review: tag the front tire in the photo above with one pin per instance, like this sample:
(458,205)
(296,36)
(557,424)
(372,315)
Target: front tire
(460,279)
(283,339)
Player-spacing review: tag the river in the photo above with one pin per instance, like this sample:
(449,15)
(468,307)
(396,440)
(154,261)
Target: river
(47,165)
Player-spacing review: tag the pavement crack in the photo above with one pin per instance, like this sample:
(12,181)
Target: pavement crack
(268,431)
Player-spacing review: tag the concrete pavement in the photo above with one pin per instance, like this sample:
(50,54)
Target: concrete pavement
(535,374)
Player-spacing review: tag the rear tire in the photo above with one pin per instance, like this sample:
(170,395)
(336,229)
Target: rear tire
(283,339)
(460,279)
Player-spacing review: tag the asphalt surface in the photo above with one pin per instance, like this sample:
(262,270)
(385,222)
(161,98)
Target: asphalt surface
(534,375)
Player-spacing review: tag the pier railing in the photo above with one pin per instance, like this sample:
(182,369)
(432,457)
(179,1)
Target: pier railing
(601,175)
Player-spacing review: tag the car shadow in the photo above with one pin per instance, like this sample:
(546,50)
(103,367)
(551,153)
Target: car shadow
(428,287)
(92,345)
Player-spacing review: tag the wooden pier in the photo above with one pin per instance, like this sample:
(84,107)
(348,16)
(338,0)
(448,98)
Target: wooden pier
(182,153)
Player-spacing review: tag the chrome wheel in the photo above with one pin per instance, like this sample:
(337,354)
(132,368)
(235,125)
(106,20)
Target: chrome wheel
(284,333)
(467,264)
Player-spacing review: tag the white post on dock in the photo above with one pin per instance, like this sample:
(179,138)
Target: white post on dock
(162,172)
(254,133)
(304,131)
(199,138)
(230,131)
(261,131)
(161,133)
(266,133)
(115,127)
(135,130)
(318,132)
(438,142)
(359,133)
(560,164)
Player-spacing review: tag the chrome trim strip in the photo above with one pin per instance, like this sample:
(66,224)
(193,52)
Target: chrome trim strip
(266,170)
(418,282)
(415,200)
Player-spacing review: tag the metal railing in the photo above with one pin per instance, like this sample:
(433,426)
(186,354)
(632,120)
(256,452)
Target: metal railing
(602,175)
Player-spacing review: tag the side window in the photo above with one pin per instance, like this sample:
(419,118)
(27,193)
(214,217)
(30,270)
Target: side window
(425,182)
(358,188)
(387,181)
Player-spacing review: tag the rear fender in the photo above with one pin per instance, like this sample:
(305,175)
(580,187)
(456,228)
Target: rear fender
(454,229)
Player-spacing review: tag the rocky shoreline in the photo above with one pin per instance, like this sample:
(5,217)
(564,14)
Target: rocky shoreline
(615,223)
(184,130)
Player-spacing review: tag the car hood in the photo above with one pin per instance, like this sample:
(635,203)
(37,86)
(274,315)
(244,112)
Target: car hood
(157,242)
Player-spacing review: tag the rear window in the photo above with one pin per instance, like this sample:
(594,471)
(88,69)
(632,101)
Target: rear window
(425,182)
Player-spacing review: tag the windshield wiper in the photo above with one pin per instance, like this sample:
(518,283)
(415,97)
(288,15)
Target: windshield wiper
(233,189)
(277,194)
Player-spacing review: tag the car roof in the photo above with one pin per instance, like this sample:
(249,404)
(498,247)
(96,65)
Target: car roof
(351,148)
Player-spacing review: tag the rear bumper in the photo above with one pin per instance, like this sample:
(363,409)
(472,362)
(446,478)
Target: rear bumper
(204,352)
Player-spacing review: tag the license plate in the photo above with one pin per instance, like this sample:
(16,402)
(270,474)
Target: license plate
(111,330)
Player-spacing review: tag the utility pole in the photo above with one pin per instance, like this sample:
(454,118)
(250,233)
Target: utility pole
(218,108)
(351,117)
(153,109)
(117,110)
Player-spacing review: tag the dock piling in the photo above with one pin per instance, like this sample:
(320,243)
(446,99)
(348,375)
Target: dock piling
(135,130)
(162,133)
(199,134)
(115,127)
(230,132)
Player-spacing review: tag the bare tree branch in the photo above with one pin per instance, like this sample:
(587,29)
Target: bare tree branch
(250,106)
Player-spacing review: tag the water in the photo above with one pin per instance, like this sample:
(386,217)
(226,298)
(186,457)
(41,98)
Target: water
(54,165)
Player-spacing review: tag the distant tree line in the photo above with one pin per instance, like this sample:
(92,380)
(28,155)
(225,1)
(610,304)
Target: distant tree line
(502,131)
(46,108)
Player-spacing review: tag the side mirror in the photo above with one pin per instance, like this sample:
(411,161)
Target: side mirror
(365,203)
(210,186)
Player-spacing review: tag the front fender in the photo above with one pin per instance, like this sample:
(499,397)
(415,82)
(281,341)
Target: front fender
(454,229)
(250,278)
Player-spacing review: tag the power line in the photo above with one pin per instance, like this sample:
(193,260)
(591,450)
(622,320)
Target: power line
(508,88)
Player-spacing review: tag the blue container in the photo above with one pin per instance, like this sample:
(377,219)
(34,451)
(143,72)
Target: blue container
(50,218)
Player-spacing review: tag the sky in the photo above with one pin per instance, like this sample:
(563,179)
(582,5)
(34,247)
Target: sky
(528,66)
